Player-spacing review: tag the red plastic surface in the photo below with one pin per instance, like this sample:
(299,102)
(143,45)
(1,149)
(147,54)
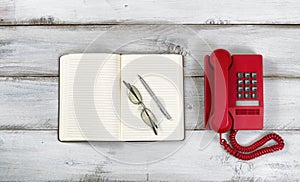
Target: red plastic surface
(251,117)
(221,111)
(228,108)
(219,62)
(254,150)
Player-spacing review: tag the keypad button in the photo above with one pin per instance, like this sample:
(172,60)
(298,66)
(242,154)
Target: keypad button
(240,82)
(240,89)
(247,96)
(247,82)
(254,82)
(254,89)
(247,75)
(240,96)
(240,75)
(247,89)
(254,96)
(253,75)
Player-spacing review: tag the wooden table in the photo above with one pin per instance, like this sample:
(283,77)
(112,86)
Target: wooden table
(33,34)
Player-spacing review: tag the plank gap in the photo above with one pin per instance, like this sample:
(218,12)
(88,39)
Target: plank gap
(196,129)
(150,24)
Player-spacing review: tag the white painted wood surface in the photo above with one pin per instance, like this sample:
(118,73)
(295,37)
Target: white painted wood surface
(149,12)
(37,155)
(34,51)
(29,149)
(34,102)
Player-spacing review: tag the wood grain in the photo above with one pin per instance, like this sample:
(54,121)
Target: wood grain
(34,51)
(38,155)
(24,12)
(29,54)
(32,103)
(28,103)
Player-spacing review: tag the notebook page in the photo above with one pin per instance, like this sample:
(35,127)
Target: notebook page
(89,97)
(164,74)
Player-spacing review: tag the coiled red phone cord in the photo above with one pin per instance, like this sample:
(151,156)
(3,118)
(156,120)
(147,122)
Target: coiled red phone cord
(240,152)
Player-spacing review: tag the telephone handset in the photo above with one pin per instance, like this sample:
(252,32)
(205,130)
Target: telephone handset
(234,101)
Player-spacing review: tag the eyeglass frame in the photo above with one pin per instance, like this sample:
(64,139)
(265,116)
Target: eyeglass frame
(140,102)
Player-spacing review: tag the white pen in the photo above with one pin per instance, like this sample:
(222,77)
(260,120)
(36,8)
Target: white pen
(161,107)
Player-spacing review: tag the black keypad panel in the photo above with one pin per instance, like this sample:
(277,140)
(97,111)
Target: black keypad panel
(247,88)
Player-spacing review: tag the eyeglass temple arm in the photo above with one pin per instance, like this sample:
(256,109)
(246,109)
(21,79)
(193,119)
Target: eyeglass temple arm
(151,121)
(153,125)
(131,90)
(153,128)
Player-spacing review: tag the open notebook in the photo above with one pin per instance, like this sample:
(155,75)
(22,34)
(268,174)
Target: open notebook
(94,104)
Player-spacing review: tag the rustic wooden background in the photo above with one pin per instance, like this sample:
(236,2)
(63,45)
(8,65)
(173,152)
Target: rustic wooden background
(33,34)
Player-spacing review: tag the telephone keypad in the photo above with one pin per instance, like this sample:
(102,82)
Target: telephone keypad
(247,85)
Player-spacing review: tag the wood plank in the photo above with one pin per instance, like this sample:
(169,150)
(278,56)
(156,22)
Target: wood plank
(149,12)
(32,103)
(28,103)
(34,51)
(39,156)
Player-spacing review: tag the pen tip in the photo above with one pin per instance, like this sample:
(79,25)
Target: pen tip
(139,76)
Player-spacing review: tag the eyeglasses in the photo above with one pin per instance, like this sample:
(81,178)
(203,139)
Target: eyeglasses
(147,116)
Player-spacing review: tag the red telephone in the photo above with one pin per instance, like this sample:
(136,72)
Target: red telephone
(233,89)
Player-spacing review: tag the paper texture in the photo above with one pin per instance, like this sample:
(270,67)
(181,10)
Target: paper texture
(163,73)
(94,105)
(87,110)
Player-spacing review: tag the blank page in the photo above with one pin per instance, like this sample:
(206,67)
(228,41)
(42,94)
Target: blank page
(89,97)
(164,74)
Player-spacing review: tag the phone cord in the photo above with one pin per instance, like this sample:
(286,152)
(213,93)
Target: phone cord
(240,152)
